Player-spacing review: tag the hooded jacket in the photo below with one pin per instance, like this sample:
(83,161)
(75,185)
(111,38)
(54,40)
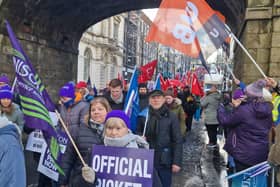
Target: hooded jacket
(12,165)
(249,126)
(210,104)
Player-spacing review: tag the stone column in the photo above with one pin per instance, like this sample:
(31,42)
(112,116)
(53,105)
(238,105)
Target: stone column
(261,36)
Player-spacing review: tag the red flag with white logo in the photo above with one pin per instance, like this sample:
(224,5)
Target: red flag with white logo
(147,71)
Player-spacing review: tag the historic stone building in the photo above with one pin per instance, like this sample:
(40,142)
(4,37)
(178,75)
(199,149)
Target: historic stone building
(101,51)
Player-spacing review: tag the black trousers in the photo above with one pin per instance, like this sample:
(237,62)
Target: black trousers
(212,132)
(189,120)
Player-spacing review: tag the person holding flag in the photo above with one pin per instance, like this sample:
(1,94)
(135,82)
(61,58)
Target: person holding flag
(89,133)
(162,132)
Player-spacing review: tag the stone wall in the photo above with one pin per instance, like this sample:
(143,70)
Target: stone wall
(261,36)
(54,66)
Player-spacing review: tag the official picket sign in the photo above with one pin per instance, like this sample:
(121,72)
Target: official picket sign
(46,165)
(118,166)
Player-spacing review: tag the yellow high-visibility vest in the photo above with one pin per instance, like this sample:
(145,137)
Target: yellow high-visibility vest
(275,112)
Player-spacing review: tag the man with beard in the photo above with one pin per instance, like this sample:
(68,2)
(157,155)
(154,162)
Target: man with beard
(143,96)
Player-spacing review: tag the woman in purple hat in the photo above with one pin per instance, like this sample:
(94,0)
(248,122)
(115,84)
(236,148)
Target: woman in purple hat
(9,109)
(249,124)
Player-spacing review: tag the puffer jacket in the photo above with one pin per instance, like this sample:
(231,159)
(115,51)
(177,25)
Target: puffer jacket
(12,164)
(210,104)
(75,115)
(84,137)
(113,104)
(178,110)
(248,125)
(164,137)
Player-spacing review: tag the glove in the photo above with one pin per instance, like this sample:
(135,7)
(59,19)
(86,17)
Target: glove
(88,174)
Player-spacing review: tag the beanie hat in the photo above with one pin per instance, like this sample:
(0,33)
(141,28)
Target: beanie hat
(255,89)
(238,93)
(4,79)
(119,114)
(6,92)
(67,91)
(81,84)
(142,85)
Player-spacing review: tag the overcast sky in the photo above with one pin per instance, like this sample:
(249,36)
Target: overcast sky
(151,13)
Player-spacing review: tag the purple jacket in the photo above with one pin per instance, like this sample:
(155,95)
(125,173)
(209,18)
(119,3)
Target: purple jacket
(248,127)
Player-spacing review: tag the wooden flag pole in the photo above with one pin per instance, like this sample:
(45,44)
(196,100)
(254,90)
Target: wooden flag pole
(71,139)
(246,51)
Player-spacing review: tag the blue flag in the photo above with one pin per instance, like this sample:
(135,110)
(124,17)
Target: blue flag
(34,98)
(89,85)
(95,91)
(157,83)
(132,100)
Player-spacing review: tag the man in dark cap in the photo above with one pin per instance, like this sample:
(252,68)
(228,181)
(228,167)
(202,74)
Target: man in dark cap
(162,132)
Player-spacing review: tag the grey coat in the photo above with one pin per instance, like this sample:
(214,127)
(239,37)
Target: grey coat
(210,104)
(16,116)
(75,115)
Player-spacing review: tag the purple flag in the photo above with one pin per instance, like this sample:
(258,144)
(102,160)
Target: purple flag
(34,99)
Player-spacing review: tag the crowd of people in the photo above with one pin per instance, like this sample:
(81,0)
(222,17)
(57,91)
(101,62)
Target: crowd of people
(249,117)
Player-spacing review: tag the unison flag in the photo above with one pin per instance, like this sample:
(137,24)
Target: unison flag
(132,100)
(191,27)
(34,98)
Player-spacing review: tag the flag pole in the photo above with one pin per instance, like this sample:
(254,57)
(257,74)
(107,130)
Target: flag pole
(146,121)
(246,51)
(71,139)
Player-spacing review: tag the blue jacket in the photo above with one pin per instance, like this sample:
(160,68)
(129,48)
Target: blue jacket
(12,166)
(248,126)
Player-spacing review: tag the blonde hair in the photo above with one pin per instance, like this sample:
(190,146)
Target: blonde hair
(101,100)
(113,121)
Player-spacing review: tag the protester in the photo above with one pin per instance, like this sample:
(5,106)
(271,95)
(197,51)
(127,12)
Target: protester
(174,105)
(81,89)
(190,109)
(116,95)
(249,124)
(118,134)
(4,80)
(12,164)
(210,104)
(72,108)
(85,137)
(10,109)
(143,96)
(163,135)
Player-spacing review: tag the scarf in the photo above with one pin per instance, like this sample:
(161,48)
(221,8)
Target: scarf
(128,140)
(153,123)
(96,127)
(118,101)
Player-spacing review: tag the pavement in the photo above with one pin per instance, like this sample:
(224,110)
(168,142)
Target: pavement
(202,166)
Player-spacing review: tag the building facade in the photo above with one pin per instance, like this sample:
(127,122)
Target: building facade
(101,51)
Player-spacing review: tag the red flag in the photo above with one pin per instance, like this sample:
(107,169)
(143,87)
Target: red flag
(164,84)
(191,27)
(147,71)
(196,88)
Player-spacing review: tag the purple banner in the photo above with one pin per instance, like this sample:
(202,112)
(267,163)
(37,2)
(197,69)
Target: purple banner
(119,166)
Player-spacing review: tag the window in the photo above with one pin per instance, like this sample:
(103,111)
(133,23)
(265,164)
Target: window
(87,60)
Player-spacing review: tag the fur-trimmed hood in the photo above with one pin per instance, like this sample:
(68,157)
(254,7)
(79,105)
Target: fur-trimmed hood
(7,127)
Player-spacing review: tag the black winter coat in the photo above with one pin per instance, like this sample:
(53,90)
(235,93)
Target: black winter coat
(115,106)
(166,139)
(85,137)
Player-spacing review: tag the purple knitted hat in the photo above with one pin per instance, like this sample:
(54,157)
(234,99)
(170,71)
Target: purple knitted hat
(67,90)
(255,89)
(238,93)
(4,79)
(6,92)
(119,114)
